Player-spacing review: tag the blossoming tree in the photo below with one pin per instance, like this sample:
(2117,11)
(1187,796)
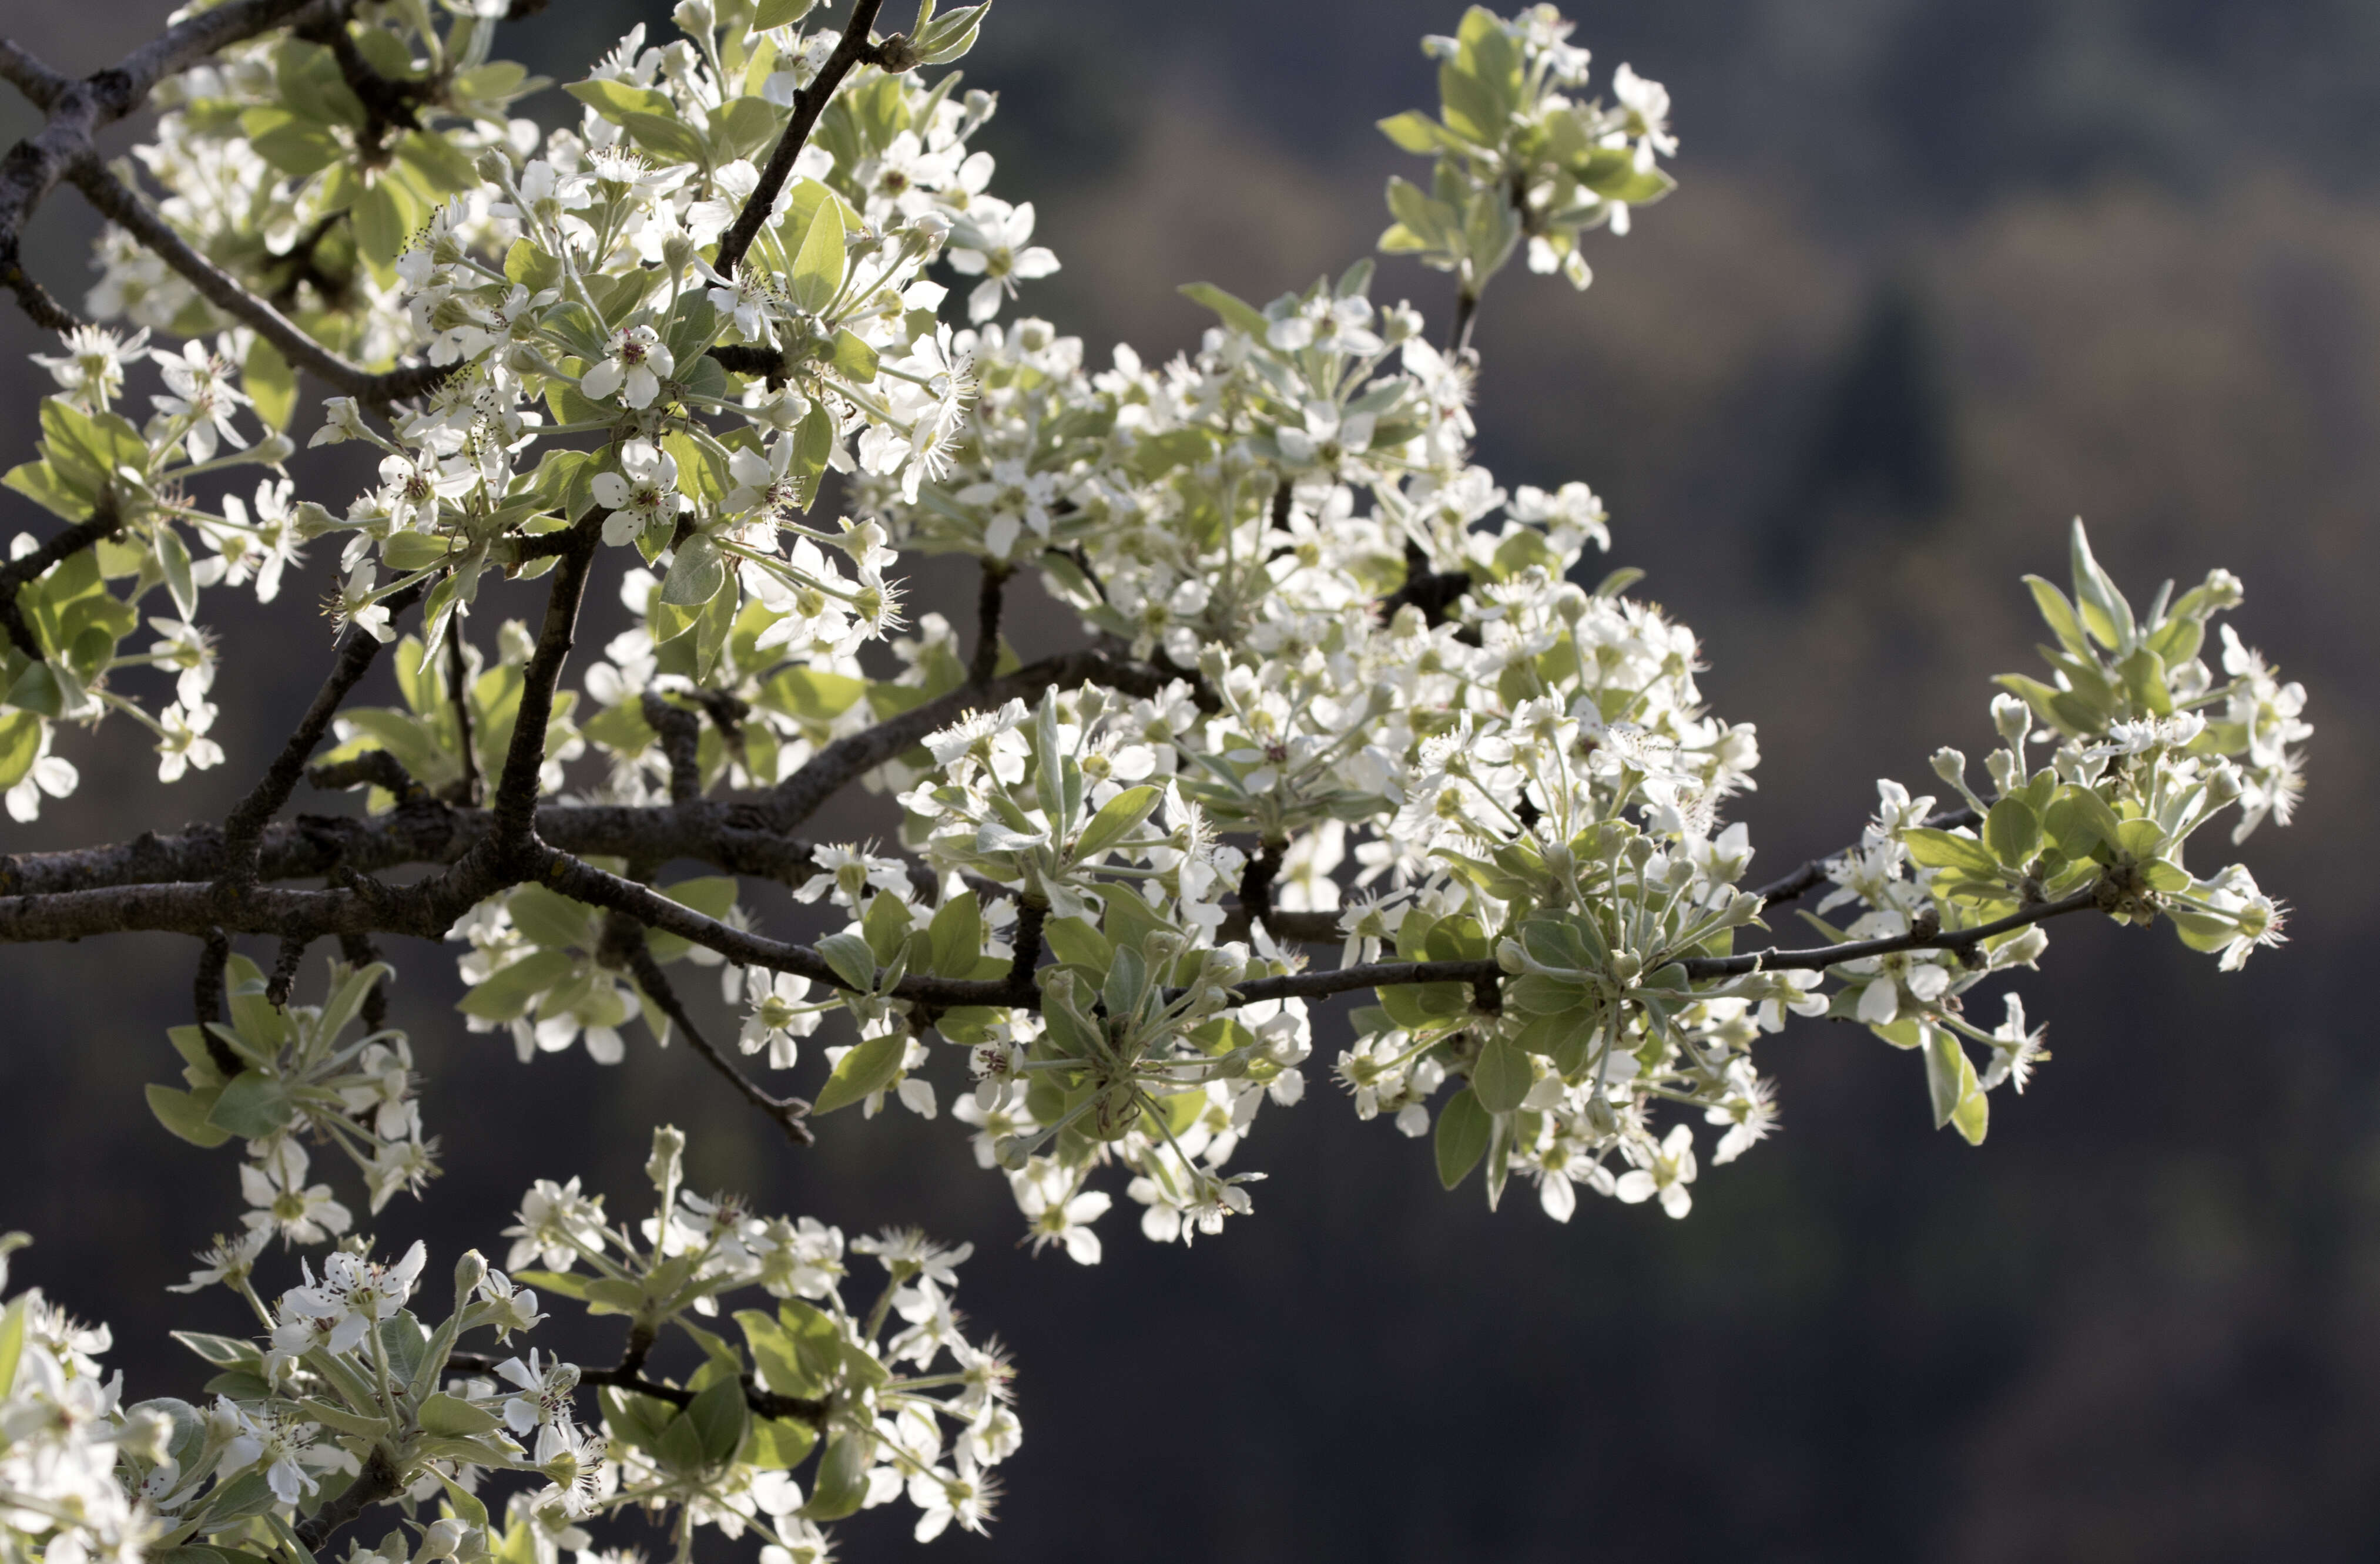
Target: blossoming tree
(1345,719)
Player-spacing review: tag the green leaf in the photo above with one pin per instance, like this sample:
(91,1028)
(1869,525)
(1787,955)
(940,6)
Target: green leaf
(561,1282)
(779,1444)
(512,989)
(855,358)
(1943,850)
(1500,1078)
(955,936)
(1463,1127)
(252,1106)
(1412,130)
(885,926)
(817,275)
(2105,613)
(842,1478)
(852,959)
(696,574)
(717,1417)
(867,1069)
(1950,1082)
(1117,818)
(2059,615)
(779,13)
(271,383)
(186,1115)
(380,223)
(452,1415)
(817,1339)
(223,1351)
(550,919)
(12,1343)
(2012,832)
(2079,820)
(1237,313)
(1075,943)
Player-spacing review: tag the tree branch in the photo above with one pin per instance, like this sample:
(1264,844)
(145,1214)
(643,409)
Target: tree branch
(82,535)
(627,938)
(808,103)
(129,212)
(465,789)
(1779,891)
(985,662)
(799,796)
(244,827)
(763,1404)
(516,787)
(680,733)
(77,109)
(376,1482)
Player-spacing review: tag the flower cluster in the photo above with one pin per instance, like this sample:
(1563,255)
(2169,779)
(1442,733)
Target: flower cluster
(1347,693)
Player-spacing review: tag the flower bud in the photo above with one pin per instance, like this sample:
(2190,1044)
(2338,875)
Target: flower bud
(2013,718)
(1951,765)
(443,1539)
(469,1272)
(494,166)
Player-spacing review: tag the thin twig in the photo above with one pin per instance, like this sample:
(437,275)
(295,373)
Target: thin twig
(100,525)
(1779,891)
(680,733)
(788,1112)
(808,103)
(243,829)
(465,789)
(763,1404)
(129,212)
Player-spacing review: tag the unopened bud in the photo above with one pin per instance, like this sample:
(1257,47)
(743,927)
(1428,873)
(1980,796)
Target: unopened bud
(2013,718)
(494,166)
(469,1272)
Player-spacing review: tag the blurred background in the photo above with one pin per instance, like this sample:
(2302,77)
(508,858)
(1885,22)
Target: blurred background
(1941,273)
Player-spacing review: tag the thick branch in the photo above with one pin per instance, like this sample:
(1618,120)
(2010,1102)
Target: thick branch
(245,826)
(985,661)
(77,109)
(1432,592)
(39,84)
(808,103)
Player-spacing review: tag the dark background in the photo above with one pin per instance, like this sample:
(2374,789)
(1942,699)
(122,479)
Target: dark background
(1940,275)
